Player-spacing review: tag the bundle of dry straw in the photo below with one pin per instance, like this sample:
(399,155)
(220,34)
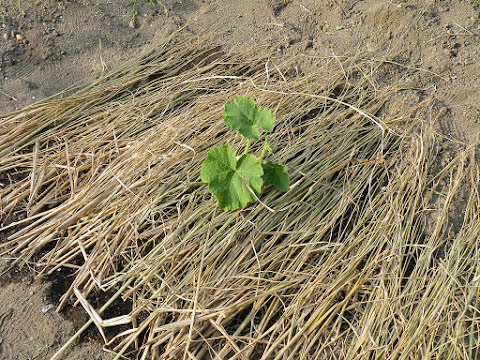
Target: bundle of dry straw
(357,260)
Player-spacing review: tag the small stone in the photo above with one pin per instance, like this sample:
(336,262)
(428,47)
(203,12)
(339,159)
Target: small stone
(19,37)
(47,308)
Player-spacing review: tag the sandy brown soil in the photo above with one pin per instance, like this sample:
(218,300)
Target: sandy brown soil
(49,46)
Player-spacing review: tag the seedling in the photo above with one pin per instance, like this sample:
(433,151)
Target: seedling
(237,181)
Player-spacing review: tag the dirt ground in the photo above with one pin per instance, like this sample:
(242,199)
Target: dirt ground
(52,45)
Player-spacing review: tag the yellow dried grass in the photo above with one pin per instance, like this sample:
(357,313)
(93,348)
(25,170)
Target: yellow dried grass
(343,267)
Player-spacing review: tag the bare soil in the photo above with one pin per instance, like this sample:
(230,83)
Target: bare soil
(49,46)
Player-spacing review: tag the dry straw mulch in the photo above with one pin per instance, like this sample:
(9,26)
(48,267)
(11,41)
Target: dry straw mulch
(358,260)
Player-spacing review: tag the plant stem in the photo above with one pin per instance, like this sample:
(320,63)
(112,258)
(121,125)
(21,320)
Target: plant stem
(247,147)
(266,148)
(264,151)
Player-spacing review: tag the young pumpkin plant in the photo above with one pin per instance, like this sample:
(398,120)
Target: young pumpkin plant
(237,181)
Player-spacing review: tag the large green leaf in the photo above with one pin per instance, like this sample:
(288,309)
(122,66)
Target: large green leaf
(244,115)
(228,177)
(276,174)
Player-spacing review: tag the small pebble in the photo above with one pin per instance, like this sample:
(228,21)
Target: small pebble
(19,37)
(47,308)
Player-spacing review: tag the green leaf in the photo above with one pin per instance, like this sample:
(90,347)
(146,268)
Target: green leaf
(276,174)
(265,118)
(228,177)
(244,115)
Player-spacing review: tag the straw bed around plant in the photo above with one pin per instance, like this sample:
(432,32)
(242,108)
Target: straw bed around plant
(343,265)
